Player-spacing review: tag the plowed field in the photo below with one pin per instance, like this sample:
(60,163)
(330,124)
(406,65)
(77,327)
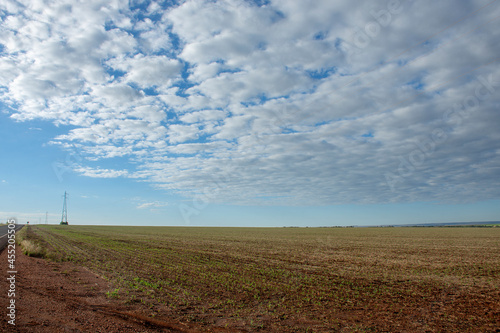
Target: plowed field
(294,279)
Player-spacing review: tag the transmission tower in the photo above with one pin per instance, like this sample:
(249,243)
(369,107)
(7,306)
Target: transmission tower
(64,218)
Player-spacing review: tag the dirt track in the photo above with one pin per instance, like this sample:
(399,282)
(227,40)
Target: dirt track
(60,297)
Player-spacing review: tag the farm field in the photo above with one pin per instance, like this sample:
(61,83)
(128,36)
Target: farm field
(294,279)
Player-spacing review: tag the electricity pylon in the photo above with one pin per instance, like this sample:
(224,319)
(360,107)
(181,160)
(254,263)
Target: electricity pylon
(64,218)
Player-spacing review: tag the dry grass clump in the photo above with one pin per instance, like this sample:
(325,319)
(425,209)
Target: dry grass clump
(29,244)
(21,235)
(31,249)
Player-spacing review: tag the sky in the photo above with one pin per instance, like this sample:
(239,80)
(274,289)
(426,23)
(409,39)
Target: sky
(250,112)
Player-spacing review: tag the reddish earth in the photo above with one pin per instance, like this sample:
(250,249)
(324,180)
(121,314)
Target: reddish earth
(61,297)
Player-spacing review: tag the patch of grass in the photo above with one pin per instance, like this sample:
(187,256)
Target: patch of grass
(21,235)
(30,244)
(31,249)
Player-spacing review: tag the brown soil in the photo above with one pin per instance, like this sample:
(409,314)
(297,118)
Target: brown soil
(62,297)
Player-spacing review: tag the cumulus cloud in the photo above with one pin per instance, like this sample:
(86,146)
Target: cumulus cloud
(149,71)
(152,205)
(101,173)
(181,133)
(276,102)
(201,116)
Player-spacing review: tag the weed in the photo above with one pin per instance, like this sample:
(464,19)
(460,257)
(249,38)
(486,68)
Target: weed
(113,294)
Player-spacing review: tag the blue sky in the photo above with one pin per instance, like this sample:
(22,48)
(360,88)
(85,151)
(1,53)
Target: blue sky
(250,113)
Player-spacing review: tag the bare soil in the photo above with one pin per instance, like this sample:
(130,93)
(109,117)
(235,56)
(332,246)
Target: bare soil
(62,297)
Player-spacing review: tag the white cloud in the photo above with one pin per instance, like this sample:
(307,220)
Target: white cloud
(152,205)
(149,71)
(290,102)
(201,116)
(155,40)
(101,173)
(116,95)
(181,133)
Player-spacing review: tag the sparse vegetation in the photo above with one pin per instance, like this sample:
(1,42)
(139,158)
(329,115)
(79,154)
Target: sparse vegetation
(29,243)
(297,279)
(113,294)
(31,249)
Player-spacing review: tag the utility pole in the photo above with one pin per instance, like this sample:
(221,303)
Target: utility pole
(64,218)
(46,217)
